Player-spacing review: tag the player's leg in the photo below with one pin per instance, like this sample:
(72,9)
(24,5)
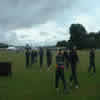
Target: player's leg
(75,77)
(94,69)
(90,66)
(57,80)
(63,79)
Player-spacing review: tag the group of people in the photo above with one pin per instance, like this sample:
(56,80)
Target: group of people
(72,59)
(31,54)
(64,59)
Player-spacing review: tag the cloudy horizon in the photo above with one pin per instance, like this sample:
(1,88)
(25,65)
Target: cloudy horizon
(45,22)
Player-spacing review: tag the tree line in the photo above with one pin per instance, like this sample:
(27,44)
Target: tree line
(80,38)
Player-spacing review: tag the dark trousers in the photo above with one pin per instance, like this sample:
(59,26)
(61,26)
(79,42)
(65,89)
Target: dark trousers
(32,60)
(74,75)
(67,64)
(48,61)
(60,74)
(27,60)
(41,61)
(92,65)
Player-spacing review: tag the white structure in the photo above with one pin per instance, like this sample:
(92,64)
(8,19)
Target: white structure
(11,49)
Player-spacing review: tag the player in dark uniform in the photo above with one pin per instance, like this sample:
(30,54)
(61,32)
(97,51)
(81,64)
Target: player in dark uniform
(32,57)
(92,60)
(60,69)
(27,53)
(35,55)
(66,55)
(73,62)
(49,58)
(41,58)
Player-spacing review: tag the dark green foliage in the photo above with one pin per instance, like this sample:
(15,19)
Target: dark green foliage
(80,38)
(2,45)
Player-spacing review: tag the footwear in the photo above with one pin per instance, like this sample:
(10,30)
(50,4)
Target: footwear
(94,73)
(71,84)
(48,69)
(66,91)
(57,90)
(77,86)
(40,70)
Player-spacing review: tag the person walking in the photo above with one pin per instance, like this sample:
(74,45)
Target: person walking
(60,69)
(92,60)
(73,62)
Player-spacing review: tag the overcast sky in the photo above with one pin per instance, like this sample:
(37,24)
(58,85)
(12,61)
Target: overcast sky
(44,22)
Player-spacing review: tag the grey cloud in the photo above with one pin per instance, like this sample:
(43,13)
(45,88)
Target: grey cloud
(18,14)
(44,34)
(24,36)
(25,13)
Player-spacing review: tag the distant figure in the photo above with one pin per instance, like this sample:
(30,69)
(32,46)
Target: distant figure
(60,69)
(92,60)
(32,57)
(41,58)
(27,53)
(35,55)
(49,58)
(66,58)
(73,62)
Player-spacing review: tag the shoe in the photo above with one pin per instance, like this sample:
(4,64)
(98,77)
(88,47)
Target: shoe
(48,69)
(66,91)
(94,73)
(77,86)
(57,90)
(40,70)
(71,84)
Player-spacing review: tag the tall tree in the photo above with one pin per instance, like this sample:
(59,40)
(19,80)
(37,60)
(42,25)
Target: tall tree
(78,34)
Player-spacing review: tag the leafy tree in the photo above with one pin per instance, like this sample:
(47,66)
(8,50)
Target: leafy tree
(78,34)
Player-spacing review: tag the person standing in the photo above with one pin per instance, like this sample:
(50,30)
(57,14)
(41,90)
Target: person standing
(73,62)
(27,53)
(66,55)
(92,60)
(32,57)
(49,58)
(41,58)
(60,69)
(35,55)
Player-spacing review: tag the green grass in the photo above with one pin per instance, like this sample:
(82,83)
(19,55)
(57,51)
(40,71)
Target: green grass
(31,84)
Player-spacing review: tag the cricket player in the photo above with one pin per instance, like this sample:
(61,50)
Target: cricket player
(49,58)
(92,60)
(27,53)
(41,58)
(66,54)
(60,69)
(73,62)
(32,57)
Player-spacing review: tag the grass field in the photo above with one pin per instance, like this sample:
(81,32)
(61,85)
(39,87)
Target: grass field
(31,84)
